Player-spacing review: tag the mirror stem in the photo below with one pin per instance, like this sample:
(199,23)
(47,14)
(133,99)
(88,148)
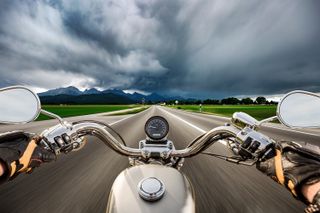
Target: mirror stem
(52,115)
(267,120)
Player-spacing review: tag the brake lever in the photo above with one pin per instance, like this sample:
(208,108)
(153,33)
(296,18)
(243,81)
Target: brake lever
(241,161)
(232,159)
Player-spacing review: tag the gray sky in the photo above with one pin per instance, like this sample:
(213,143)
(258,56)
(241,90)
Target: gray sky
(200,48)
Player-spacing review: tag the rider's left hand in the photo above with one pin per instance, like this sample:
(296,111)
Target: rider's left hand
(20,153)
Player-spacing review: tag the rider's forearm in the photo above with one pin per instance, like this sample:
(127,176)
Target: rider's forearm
(309,191)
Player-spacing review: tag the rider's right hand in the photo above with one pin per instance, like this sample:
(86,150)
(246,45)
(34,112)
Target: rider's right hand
(294,166)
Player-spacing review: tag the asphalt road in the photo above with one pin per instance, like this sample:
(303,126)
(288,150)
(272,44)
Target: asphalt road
(81,181)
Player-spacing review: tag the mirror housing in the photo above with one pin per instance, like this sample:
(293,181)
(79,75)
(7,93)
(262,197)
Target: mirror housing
(241,120)
(299,109)
(18,105)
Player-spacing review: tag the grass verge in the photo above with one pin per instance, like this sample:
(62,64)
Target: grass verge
(77,110)
(257,111)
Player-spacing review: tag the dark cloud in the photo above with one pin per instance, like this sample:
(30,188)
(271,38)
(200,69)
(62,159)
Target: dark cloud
(199,48)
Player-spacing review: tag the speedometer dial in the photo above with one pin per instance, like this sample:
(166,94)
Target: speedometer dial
(157,128)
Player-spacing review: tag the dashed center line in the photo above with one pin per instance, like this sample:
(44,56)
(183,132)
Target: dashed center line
(190,124)
(118,121)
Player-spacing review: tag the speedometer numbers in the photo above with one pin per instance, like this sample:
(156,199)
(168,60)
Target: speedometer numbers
(157,128)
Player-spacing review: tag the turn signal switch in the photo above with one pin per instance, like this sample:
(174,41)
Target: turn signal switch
(62,139)
(252,144)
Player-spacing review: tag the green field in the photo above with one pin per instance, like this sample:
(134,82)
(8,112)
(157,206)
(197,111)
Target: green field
(76,110)
(257,111)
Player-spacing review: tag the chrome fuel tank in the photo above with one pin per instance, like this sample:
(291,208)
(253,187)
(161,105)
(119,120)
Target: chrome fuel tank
(178,196)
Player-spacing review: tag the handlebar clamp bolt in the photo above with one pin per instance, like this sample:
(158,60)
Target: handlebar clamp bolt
(244,133)
(146,154)
(164,154)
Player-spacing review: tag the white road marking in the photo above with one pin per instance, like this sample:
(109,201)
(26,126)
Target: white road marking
(267,126)
(190,124)
(118,121)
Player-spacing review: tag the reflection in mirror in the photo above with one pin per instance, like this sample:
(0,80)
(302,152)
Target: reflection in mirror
(18,105)
(300,109)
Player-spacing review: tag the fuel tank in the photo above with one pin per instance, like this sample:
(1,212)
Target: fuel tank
(178,192)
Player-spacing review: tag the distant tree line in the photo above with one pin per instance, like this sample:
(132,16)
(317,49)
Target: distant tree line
(227,101)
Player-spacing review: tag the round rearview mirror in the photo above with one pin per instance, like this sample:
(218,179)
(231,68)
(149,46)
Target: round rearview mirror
(18,105)
(300,109)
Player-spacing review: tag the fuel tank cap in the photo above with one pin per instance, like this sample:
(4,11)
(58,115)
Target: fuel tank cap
(151,189)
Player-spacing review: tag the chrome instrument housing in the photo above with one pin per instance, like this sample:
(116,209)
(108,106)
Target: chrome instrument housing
(156,149)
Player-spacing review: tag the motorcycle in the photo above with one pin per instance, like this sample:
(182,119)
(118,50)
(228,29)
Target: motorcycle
(154,182)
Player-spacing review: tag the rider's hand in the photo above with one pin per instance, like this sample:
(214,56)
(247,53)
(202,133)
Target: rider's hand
(19,153)
(294,166)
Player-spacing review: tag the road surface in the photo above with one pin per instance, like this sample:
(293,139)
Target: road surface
(81,181)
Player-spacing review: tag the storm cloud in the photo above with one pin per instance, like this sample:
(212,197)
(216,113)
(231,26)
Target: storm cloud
(200,48)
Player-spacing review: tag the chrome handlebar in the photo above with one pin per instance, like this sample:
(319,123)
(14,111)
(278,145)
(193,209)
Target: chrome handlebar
(53,139)
(250,142)
(97,130)
(206,140)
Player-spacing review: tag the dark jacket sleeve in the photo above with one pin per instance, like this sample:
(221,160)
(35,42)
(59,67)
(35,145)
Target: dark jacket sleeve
(11,148)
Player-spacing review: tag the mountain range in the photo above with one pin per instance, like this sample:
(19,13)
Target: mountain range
(72,95)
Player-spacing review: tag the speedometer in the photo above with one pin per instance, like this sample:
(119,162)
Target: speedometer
(156,128)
